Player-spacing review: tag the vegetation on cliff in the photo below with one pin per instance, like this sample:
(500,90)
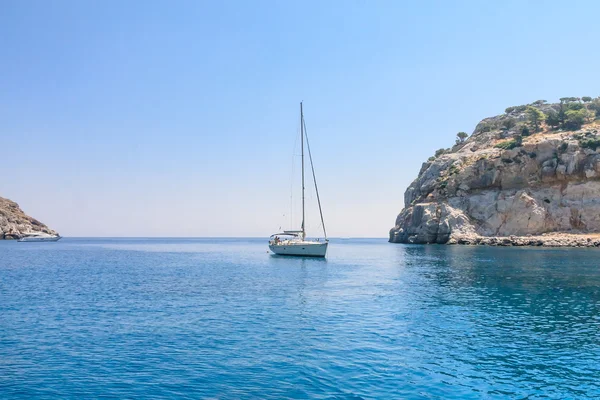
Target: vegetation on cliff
(569,114)
(533,170)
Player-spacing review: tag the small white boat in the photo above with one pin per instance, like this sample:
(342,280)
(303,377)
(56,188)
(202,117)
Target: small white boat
(39,237)
(294,243)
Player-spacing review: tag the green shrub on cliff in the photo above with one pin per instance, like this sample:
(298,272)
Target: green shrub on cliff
(563,147)
(570,114)
(595,106)
(574,119)
(439,152)
(589,116)
(486,127)
(575,106)
(461,136)
(535,117)
(515,108)
(593,143)
(510,144)
(553,119)
(508,123)
(569,99)
(518,140)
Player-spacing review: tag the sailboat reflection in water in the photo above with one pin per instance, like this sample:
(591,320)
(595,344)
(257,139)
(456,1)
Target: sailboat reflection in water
(294,243)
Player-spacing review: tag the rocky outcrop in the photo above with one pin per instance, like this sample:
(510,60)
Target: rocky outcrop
(14,223)
(499,187)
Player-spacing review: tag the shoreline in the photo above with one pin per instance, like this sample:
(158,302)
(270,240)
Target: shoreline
(544,240)
(575,240)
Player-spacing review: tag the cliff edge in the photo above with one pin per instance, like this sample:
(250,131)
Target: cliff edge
(530,176)
(14,223)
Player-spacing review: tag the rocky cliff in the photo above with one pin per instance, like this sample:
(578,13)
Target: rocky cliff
(14,223)
(506,186)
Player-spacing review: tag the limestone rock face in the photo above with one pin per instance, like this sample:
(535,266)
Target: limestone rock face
(549,183)
(14,223)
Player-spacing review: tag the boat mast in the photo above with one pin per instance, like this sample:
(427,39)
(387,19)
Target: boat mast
(302,144)
(312,167)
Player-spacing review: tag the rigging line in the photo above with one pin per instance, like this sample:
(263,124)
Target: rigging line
(312,167)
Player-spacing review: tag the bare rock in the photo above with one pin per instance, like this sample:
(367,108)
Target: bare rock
(480,193)
(14,223)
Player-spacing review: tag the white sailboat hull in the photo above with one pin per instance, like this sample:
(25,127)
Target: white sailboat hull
(302,249)
(40,239)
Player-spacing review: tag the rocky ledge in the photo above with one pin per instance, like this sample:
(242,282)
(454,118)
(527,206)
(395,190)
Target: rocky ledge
(546,240)
(14,223)
(506,186)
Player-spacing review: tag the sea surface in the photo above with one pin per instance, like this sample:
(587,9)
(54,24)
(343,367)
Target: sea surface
(223,319)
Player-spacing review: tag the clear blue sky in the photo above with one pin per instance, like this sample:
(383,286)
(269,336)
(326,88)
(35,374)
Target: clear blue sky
(147,118)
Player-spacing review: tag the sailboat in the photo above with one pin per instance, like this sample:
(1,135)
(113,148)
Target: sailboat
(294,243)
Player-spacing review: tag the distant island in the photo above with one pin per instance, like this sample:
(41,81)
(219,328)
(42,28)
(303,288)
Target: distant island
(14,223)
(528,177)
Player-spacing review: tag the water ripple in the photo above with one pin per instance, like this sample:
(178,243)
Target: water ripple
(221,319)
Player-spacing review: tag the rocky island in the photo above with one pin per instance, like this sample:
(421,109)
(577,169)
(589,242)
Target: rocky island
(14,223)
(528,177)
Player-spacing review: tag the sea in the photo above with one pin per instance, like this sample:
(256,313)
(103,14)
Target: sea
(224,319)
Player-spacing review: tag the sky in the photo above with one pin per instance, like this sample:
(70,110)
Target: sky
(157,118)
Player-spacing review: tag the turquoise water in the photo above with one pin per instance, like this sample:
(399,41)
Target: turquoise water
(222,319)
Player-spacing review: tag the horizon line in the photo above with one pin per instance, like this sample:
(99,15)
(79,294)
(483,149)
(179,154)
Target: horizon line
(208,237)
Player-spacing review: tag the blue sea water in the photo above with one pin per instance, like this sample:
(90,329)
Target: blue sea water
(223,319)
